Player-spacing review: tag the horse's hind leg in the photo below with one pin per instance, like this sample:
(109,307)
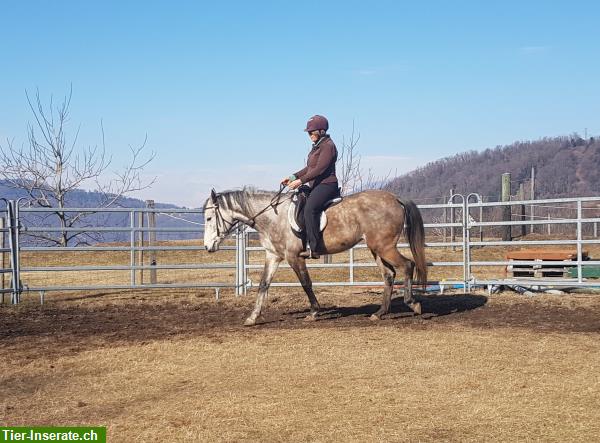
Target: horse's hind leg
(389,273)
(396,259)
(409,300)
(299,267)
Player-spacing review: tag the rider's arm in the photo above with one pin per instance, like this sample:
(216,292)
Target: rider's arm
(326,156)
(301,172)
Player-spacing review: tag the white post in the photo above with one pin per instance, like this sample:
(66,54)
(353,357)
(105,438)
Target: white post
(132,246)
(240,261)
(532,197)
(351,265)
(579,237)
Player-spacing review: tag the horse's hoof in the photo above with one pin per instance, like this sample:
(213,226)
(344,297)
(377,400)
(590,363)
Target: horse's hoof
(250,322)
(416,308)
(311,317)
(374,317)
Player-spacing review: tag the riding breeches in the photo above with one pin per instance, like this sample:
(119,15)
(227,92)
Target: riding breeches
(317,198)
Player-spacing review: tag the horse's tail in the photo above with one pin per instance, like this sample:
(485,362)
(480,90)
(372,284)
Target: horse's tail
(415,235)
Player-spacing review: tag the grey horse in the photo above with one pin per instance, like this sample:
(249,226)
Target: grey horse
(377,217)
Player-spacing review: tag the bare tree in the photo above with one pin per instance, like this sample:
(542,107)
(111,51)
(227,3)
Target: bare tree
(349,163)
(51,167)
(352,177)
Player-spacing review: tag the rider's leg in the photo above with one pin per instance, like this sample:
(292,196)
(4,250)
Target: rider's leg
(320,194)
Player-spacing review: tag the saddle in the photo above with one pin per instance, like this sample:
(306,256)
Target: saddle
(295,212)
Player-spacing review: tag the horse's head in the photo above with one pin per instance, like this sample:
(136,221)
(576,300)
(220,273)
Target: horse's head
(212,217)
(219,221)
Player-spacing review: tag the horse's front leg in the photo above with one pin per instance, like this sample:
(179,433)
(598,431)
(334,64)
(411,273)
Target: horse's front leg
(299,266)
(271,264)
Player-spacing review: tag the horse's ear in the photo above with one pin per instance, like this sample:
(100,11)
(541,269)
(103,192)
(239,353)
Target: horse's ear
(213,195)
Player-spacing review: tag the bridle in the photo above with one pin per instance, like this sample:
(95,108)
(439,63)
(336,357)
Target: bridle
(229,226)
(221,220)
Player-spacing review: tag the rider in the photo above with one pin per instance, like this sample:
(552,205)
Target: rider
(319,174)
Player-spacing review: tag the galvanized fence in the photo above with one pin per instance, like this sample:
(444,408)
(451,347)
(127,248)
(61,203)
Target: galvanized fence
(461,237)
(460,226)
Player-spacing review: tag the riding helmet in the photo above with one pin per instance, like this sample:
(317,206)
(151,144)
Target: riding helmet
(317,123)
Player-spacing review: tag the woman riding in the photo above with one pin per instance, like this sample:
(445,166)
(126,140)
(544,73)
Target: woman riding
(319,174)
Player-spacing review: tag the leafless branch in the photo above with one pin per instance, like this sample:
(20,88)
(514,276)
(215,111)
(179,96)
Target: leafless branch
(50,167)
(352,177)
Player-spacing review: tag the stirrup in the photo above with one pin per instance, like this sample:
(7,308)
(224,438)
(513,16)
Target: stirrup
(309,254)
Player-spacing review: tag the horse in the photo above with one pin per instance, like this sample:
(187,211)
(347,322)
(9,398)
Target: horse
(377,217)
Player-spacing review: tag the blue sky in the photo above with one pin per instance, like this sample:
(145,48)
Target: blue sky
(223,89)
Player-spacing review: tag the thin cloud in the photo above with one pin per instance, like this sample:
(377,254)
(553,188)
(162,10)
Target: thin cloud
(366,72)
(381,70)
(534,49)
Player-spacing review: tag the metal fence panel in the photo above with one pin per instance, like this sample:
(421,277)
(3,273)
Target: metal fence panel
(460,240)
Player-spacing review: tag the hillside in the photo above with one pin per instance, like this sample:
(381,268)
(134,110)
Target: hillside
(565,167)
(87,199)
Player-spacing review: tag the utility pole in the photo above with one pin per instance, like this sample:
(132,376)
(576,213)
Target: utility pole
(506,231)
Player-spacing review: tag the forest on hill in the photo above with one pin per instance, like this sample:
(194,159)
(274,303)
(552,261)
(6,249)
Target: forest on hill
(565,166)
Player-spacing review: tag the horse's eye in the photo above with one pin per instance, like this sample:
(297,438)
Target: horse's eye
(209,219)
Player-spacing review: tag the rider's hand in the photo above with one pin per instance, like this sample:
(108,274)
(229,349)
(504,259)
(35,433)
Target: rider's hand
(295,184)
(285,181)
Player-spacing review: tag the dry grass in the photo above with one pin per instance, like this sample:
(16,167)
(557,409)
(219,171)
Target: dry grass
(105,258)
(175,365)
(348,385)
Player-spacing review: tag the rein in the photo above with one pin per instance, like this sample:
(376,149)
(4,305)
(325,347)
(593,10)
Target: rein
(275,201)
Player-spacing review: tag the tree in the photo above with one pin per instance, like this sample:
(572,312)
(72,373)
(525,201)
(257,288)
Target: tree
(52,165)
(351,176)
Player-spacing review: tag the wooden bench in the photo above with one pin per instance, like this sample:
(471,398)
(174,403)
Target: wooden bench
(537,268)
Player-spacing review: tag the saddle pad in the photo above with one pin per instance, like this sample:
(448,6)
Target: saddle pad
(294,224)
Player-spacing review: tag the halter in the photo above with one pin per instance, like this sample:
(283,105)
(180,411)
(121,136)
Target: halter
(275,201)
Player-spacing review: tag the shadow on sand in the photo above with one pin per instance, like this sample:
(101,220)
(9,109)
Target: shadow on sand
(432,305)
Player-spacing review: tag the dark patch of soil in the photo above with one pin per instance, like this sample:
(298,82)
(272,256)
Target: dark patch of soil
(70,326)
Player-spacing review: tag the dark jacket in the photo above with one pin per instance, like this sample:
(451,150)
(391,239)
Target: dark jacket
(320,166)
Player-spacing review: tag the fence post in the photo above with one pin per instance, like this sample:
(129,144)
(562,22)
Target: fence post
(140,244)
(506,231)
(2,226)
(352,265)
(548,225)
(132,247)
(2,244)
(17,227)
(240,261)
(13,239)
(579,239)
(522,210)
(152,239)
(481,220)
(532,197)
(445,221)
(452,218)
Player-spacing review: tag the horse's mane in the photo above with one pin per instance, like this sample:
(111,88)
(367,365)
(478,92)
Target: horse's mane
(241,197)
